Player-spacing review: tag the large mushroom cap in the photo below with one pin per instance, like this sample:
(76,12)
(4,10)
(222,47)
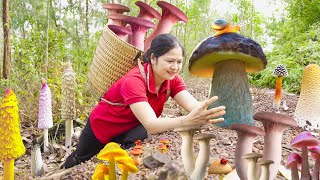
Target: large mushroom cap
(270,117)
(146,9)
(171,9)
(220,166)
(225,47)
(304,138)
(136,22)
(116,7)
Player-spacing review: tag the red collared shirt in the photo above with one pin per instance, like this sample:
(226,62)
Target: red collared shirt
(108,121)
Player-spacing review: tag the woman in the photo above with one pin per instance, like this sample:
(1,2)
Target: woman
(132,105)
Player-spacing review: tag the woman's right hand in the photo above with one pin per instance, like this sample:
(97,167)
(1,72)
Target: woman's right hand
(202,115)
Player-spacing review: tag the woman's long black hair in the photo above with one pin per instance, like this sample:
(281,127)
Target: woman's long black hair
(161,45)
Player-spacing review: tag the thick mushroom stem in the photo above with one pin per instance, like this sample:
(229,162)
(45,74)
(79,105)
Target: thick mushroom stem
(244,146)
(37,168)
(272,149)
(265,171)
(203,156)
(252,159)
(187,154)
(230,84)
(277,96)
(8,169)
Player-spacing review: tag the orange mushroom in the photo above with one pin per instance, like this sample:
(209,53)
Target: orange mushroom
(163,148)
(136,153)
(220,167)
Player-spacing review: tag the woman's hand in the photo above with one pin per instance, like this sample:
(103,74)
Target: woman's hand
(201,115)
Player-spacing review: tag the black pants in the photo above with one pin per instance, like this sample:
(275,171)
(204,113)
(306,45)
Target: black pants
(89,145)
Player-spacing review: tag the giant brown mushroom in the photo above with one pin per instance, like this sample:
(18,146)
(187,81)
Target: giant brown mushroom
(226,59)
(246,135)
(171,15)
(274,125)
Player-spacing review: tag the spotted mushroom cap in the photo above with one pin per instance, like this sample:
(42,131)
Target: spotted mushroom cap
(280,70)
(226,47)
(307,112)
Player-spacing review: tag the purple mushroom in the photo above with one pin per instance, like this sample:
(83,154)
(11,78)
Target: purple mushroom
(147,12)
(302,141)
(293,160)
(315,153)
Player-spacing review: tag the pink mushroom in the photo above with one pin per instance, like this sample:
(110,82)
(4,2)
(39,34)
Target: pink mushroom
(118,19)
(315,153)
(139,28)
(147,12)
(293,160)
(302,141)
(246,135)
(115,8)
(171,15)
(120,31)
(274,125)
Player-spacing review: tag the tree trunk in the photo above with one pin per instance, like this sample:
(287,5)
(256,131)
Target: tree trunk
(6,36)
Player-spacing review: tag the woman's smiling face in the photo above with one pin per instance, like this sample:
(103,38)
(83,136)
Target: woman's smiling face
(167,66)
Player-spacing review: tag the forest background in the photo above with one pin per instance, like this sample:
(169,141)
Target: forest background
(45,35)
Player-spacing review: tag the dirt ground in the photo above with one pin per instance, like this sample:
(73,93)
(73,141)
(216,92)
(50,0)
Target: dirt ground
(222,146)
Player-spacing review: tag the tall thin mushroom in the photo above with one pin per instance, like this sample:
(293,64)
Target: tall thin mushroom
(265,171)
(292,163)
(274,125)
(280,71)
(252,159)
(203,157)
(226,59)
(11,145)
(187,154)
(68,101)
(246,135)
(45,120)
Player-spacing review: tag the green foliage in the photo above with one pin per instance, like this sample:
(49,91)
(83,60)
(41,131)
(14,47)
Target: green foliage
(295,54)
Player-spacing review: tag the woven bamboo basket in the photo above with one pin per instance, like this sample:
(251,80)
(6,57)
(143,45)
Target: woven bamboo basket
(113,59)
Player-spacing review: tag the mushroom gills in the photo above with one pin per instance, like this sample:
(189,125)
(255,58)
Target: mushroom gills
(230,84)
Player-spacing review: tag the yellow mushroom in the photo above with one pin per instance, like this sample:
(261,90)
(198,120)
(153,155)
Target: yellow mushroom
(101,172)
(112,152)
(127,165)
(307,111)
(11,145)
(220,167)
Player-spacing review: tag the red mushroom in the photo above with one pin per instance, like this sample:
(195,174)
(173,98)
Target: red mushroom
(170,16)
(246,135)
(139,28)
(147,12)
(293,160)
(274,125)
(120,31)
(280,71)
(302,141)
(315,153)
